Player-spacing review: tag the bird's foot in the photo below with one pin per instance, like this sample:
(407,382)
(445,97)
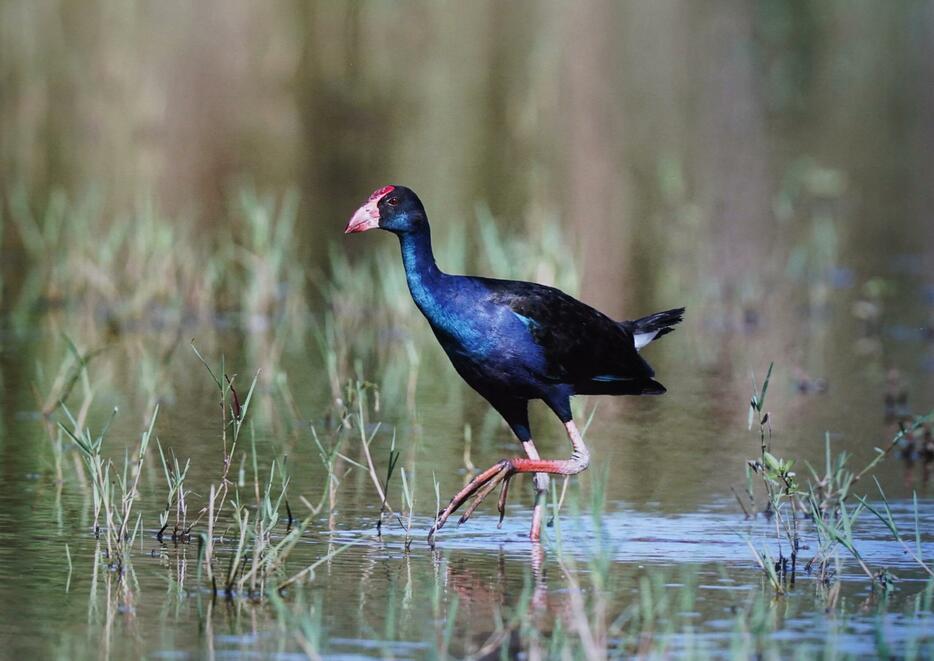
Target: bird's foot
(479,487)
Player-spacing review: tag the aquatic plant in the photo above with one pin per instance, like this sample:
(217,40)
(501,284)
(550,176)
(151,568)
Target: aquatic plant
(781,486)
(823,501)
(143,269)
(834,521)
(176,498)
(114,491)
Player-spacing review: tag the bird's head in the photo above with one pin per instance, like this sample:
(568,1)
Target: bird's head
(393,208)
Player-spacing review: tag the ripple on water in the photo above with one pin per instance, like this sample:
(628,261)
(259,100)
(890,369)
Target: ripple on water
(715,534)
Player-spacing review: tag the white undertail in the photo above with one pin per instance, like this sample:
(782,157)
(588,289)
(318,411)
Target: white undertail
(641,339)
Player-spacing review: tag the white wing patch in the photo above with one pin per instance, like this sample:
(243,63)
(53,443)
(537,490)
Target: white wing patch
(641,339)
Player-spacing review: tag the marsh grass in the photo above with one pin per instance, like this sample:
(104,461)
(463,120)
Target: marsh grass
(884,514)
(233,415)
(656,617)
(121,272)
(114,491)
(176,498)
(245,530)
(835,520)
(248,539)
(779,481)
(822,504)
(257,554)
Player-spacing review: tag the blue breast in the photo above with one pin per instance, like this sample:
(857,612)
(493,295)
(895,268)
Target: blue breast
(469,325)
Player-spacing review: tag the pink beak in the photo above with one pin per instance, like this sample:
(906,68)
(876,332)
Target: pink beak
(367,216)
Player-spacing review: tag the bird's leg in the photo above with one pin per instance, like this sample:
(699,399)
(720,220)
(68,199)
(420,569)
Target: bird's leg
(485,482)
(540,481)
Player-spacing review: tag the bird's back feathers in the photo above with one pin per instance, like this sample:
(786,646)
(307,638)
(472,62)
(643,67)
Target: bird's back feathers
(583,347)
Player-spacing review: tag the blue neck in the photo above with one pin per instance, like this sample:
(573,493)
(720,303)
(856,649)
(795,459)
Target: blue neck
(421,272)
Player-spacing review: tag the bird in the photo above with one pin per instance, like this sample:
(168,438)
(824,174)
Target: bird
(514,342)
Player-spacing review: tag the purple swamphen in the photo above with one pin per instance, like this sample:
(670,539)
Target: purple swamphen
(513,342)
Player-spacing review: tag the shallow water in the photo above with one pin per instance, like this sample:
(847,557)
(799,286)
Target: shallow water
(665,467)
(169,615)
(654,520)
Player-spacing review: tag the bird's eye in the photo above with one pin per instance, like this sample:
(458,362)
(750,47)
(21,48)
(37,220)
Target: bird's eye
(392,201)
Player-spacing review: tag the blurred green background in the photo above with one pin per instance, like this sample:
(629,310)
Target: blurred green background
(631,122)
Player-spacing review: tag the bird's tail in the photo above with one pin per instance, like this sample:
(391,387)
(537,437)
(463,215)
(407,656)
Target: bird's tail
(652,327)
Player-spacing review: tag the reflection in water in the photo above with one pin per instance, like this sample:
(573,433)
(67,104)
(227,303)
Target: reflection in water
(590,585)
(484,596)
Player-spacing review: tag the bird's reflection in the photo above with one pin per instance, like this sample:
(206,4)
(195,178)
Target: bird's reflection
(525,613)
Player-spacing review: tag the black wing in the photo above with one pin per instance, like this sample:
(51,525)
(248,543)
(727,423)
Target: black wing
(583,347)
